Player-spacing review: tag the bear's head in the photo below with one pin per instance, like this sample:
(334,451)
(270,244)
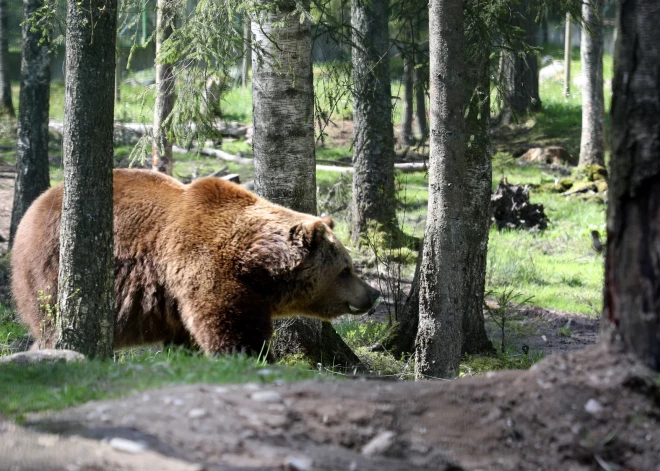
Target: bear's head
(324,283)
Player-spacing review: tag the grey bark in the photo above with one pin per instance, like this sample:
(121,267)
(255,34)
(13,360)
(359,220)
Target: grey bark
(632,271)
(520,74)
(568,45)
(592,142)
(118,70)
(32,171)
(6,105)
(247,49)
(85,321)
(407,137)
(284,153)
(161,153)
(442,274)
(373,197)
(420,103)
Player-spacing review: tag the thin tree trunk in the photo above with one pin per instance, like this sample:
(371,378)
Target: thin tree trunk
(118,70)
(568,45)
(373,197)
(441,291)
(420,103)
(162,147)
(247,49)
(85,321)
(520,74)
(284,154)
(32,172)
(6,105)
(632,272)
(592,143)
(407,137)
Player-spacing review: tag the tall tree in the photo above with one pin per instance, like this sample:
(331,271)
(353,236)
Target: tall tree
(32,175)
(373,197)
(519,73)
(407,137)
(420,102)
(592,143)
(284,154)
(162,147)
(247,49)
(632,272)
(85,322)
(6,105)
(442,276)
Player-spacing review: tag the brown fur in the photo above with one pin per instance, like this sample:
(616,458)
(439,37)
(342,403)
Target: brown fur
(209,261)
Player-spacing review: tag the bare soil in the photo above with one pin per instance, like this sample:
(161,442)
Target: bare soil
(593,409)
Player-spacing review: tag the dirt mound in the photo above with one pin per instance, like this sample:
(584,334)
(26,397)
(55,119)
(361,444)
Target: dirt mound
(594,408)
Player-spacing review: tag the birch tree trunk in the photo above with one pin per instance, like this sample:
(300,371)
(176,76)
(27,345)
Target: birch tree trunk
(284,153)
(632,271)
(32,171)
(373,197)
(247,49)
(407,137)
(85,321)
(592,142)
(6,105)
(161,153)
(442,274)
(520,74)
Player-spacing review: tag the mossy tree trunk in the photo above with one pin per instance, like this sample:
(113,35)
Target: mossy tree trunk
(6,105)
(32,171)
(373,197)
(85,321)
(442,297)
(632,271)
(284,152)
(162,146)
(592,142)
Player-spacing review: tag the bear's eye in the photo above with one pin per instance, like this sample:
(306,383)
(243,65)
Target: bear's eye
(345,272)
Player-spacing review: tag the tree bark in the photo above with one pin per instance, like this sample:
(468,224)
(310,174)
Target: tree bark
(632,271)
(32,171)
(373,197)
(592,143)
(161,153)
(568,45)
(520,74)
(420,103)
(247,49)
(407,137)
(442,274)
(284,153)
(85,321)
(6,105)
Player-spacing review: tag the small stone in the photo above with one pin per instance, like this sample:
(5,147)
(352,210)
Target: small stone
(127,446)
(43,356)
(379,444)
(197,413)
(266,396)
(593,406)
(221,390)
(297,463)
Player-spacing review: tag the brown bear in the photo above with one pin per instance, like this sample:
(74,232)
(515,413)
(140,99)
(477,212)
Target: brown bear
(208,262)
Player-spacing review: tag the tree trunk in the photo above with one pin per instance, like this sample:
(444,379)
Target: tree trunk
(442,274)
(632,272)
(478,179)
(420,103)
(118,70)
(85,321)
(568,45)
(284,154)
(373,156)
(592,143)
(247,49)
(520,74)
(161,153)
(32,171)
(6,105)
(407,137)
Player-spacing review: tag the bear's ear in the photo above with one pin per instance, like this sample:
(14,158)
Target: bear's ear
(307,234)
(328,221)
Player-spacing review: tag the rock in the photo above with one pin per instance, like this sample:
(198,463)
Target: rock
(593,406)
(43,356)
(197,413)
(510,208)
(596,173)
(553,155)
(266,396)
(379,444)
(297,463)
(127,446)
(553,70)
